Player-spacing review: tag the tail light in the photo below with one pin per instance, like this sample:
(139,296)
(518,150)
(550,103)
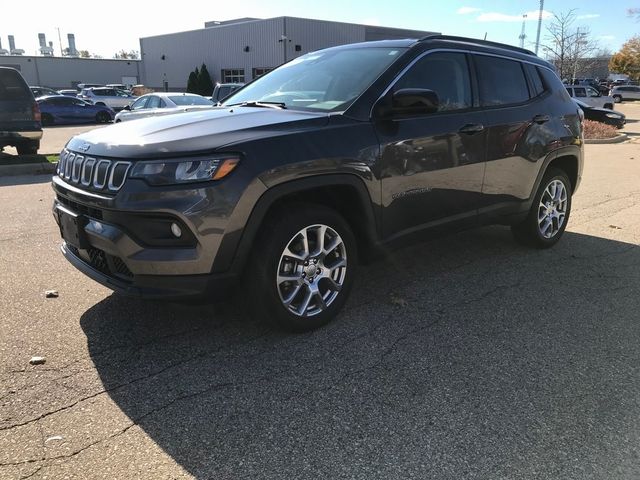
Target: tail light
(35,109)
(581,115)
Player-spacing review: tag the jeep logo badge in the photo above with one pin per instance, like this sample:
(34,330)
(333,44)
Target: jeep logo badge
(84,147)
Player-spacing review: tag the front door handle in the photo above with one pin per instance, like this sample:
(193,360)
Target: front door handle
(471,128)
(540,119)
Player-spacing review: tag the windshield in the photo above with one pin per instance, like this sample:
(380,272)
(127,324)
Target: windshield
(190,100)
(321,81)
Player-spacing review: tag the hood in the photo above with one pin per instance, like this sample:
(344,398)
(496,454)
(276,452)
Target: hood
(192,132)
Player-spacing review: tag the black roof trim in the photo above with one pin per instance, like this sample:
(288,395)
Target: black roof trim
(478,42)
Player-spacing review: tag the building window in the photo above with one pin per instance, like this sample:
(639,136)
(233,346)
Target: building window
(233,75)
(258,72)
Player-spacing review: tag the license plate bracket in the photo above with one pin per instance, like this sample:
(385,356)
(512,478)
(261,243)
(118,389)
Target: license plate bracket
(72,228)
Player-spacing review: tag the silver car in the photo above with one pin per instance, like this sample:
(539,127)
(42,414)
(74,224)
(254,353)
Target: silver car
(625,92)
(162,103)
(111,97)
(590,96)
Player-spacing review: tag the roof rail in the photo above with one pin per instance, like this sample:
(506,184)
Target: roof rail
(478,41)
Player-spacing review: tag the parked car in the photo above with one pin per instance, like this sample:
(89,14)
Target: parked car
(110,97)
(68,93)
(287,184)
(20,125)
(89,85)
(625,92)
(223,90)
(602,115)
(162,103)
(42,91)
(590,96)
(60,109)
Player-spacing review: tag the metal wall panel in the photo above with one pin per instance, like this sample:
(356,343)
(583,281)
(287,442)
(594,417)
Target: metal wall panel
(60,72)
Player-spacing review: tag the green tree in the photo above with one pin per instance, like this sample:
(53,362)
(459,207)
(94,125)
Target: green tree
(192,83)
(627,60)
(84,54)
(205,84)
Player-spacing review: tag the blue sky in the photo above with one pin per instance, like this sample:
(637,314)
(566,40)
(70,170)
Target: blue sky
(118,26)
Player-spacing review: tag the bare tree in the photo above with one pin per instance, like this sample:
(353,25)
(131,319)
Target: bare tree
(571,49)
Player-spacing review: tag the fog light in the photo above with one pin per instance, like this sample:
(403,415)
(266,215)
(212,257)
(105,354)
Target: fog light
(176,230)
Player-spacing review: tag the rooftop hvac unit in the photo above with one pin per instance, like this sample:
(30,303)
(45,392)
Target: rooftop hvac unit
(72,52)
(2,50)
(12,47)
(45,49)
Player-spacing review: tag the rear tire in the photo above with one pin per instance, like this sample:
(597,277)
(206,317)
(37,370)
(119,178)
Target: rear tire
(617,98)
(103,117)
(299,284)
(29,148)
(47,119)
(547,219)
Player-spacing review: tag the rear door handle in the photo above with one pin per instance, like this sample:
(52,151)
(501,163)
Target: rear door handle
(471,128)
(540,119)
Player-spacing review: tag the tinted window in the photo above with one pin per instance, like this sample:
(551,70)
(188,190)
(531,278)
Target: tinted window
(447,74)
(501,81)
(592,92)
(580,92)
(12,87)
(536,81)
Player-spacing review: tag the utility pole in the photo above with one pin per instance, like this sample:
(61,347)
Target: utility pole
(60,42)
(539,25)
(522,34)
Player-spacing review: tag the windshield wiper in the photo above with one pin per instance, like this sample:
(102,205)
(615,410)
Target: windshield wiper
(253,103)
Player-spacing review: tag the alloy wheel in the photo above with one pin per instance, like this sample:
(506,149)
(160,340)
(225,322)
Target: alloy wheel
(312,270)
(552,209)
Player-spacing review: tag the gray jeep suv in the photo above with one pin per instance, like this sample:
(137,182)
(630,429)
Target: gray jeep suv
(332,158)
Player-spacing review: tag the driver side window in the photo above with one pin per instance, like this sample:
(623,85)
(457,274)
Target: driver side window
(139,104)
(447,74)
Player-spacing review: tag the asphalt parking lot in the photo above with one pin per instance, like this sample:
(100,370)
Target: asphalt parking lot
(464,357)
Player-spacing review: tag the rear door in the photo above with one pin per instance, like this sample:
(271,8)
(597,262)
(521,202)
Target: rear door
(517,121)
(16,102)
(432,165)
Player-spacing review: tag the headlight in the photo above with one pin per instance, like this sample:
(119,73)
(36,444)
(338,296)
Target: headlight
(614,115)
(171,172)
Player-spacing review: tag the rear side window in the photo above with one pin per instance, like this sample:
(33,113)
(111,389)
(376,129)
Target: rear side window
(12,87)
(501,81)
(447,74)
(580,92)
(536,81)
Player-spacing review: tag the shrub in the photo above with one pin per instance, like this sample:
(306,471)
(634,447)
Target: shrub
(594,129)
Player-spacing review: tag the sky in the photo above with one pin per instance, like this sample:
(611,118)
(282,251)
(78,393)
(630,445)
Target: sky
(116,26)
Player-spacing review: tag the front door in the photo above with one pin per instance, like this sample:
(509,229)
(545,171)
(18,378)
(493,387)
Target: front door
(432,165)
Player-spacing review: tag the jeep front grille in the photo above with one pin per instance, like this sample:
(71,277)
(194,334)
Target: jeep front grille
(91,173)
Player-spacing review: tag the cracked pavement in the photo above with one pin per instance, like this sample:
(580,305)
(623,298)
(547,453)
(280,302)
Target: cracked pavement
(463,357)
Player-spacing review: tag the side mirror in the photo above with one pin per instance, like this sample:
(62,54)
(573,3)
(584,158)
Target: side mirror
(127,107)
(410,101)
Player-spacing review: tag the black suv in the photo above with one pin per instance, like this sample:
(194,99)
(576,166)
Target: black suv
(334,157)
(19,114)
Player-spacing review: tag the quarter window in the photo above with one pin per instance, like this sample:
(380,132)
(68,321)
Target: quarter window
(233,75)
(536,81)
(447,74)
(501,81)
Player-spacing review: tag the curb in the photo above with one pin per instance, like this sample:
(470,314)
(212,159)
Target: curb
(27,169)
(617,139)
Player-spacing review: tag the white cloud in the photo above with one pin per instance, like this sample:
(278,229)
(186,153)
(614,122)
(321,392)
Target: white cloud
(588,16)
(503,17)
(467,10)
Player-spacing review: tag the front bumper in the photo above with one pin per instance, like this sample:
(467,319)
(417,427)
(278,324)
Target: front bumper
(118,246)
(20,136)
(164,287)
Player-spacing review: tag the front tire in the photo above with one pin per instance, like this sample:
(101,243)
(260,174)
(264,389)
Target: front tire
(302,269)
(617,98)
(547,219)
(28,148)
